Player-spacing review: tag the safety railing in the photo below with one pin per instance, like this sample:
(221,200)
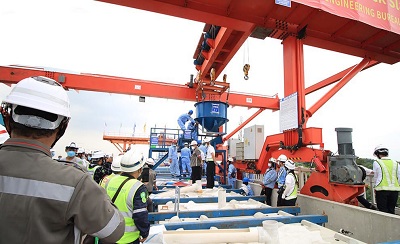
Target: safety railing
(162,137)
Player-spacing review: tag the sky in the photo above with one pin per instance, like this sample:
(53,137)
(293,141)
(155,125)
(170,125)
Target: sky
(83,36)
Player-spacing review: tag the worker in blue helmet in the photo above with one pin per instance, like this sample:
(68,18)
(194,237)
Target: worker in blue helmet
(185,118)
(246,188)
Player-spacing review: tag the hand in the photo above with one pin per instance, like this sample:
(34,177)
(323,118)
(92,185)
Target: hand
(142,239)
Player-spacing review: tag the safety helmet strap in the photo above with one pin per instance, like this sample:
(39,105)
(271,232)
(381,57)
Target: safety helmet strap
(61,130)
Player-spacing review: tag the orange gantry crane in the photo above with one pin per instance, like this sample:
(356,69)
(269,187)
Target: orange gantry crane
(366,29)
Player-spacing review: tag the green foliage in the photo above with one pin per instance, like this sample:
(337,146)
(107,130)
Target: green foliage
(366,162)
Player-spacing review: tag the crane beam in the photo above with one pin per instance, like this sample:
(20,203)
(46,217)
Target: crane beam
(121,85)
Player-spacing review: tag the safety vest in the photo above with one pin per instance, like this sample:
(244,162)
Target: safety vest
(389,180)
(125,205)
(92,170)
(106,179)
(293,194)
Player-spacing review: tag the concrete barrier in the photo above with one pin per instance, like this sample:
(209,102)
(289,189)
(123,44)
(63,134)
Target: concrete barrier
(366,225)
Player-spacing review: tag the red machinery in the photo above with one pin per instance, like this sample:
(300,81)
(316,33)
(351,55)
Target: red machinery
(317,23)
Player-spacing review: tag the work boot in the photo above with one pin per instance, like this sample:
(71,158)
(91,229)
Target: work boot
(373,207)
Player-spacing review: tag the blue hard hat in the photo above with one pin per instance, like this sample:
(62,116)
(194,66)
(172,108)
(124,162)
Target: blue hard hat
(198,141)
(245,179)
(190,112)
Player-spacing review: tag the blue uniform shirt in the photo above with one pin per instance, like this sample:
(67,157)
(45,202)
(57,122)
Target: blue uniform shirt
(185,118)
(270,178)
(172,153)
(185,153)
(281,176)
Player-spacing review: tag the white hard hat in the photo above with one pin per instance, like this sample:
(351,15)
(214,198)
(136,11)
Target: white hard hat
(272,160)
(289,164)
(230,159)
(381,149)
(131,161)
(116,164)
(150,161)
(205,140)
(72,145)
(3,134)
(40,93)
(98,154)
(80,150)
(193,143)
(282,158)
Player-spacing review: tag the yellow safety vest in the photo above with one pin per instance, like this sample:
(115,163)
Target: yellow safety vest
(125,205)
(389,180)
(106,179)
(293,194)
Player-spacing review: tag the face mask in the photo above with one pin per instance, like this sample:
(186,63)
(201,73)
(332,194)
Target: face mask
(269,165)
(192,147)
(71,154)
(89,158)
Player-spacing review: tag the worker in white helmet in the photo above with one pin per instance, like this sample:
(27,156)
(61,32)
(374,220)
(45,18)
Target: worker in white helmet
(196,161)
(281,178)
(60,198)
(232,173)
(82,155)
(185,158)
(211,162)
(116,170)
(289,195)
(173,159)
(386,180)
(149,176)
(269,180)
(130,196)
(99,167)
(71,150)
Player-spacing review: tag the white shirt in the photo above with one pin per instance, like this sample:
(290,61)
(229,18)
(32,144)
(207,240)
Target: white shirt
(290,182)
(378,172)
(210,151)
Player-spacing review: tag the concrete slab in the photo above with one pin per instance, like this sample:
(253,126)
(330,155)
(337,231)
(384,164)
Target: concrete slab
(367,225)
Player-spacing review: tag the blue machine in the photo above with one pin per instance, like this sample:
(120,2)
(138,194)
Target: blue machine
(211,115)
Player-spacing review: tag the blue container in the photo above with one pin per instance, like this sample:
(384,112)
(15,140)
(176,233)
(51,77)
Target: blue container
(211,114)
